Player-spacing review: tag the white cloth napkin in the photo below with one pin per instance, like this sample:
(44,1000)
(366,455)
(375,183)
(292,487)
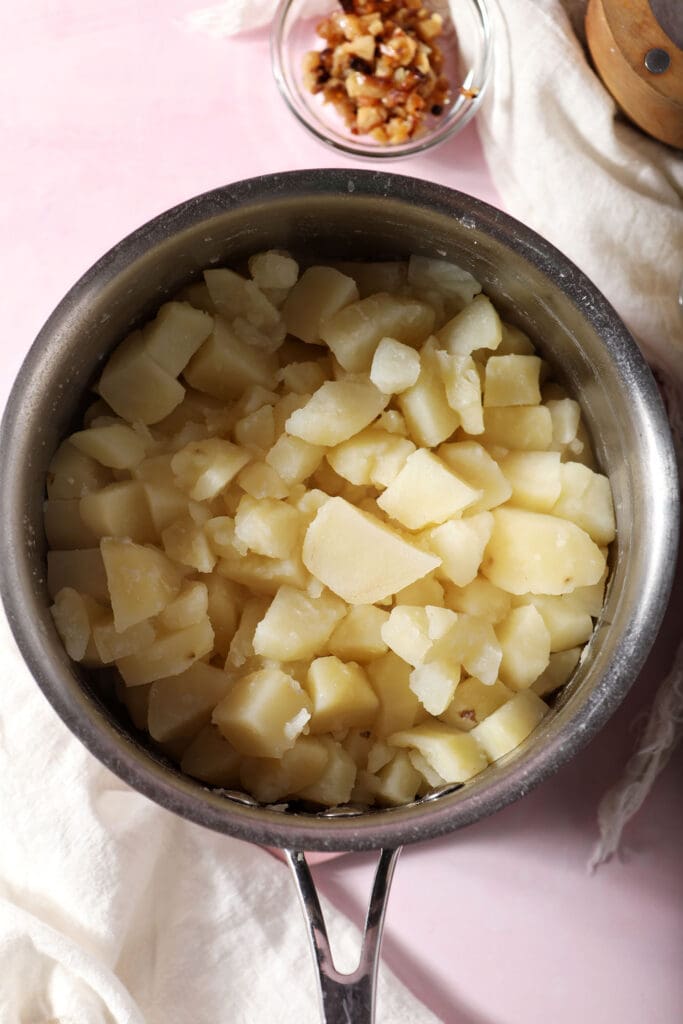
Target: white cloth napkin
(114,911)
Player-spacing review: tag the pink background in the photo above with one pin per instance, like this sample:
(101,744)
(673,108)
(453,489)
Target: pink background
(114,112)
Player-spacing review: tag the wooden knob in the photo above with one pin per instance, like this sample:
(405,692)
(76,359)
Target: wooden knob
(639,62)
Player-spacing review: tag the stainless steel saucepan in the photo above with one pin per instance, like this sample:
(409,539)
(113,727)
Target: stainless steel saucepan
(358,214)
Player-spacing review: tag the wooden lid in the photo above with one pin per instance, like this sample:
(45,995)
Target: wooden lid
(637,48)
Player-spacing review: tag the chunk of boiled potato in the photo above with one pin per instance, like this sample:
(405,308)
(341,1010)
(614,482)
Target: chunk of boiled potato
(135,386)
(476,326)
(175,334)
(168,655)
(81,570)
(225,602)
(462,382)
(358,557)
(395,366)
(264,713)
(190,606)
(566,619)
(565,414)
(72,473)
(204,468)
(586,499)
(112,645)
(410,631)
(371,457)
(389,677)
(453,754)
(525,643)
(442,276)
(472,643)
(270,779)
(74,616)
(119,510)
(186,542)
(558,671)
(64,528)
(473,464)
(335,785)
(434,683)
(515,342)
(423,592)
(210,758)
(396,783)
(242,645)
(474,701)
(236,297)
(262,481)
(531,552)
(508,726)
(512,380)
(425,491)
(294,459)
(358,637)
(428,416)
(261,574)
(375,276)
(297,626)
(303,378)
(273,269)
(141,581)
(336,411)
(460,545)
(341,696)
(268,526)
(353,333)
(534,477)
(115,445)
(226,364)
(181,705)
(319,293)
(256,429)
(479,598)
(520,427)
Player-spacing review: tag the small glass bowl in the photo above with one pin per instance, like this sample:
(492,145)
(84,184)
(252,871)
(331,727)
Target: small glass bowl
(467,48)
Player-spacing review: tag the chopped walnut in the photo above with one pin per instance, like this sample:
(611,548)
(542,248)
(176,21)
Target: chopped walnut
(381,67)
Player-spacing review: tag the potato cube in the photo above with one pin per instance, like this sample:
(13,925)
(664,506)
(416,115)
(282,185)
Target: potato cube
(264,575)
(355,331)
(389,677)
(427,274)
(119,510)
(565,618)
(260,480)
(453,754)
(336,411)
(186,542)
(460,545)
(242,645)
(294,459)
(358,636)
(270,779)
(514,342)
(395,366)
(410,632)
(430,778)
(234,296)
(425,491)
(462,382)
(190,606)
(318,294)
(512,380)
(525,643)
(225,602)
(181,705)
(476,326)
(472,643)
(473,464)
(474,701)
(112,645)
(168,655)
(166,504)
(479,598)
(264,713)
(565,414)
(74,616)
(64,528)
(204,468)
(380,276)
(429,417)
(135,386)
(586,499)
(273,269)
(521,427)
(358,557)
(257,429)
(116,445)
(530,552)
(591,599)
(225,364)
(510,724)
(81,570)
(372,457)
(175,334)
(423,592)
(302,378)
(210,758)
(297,626)
(268,526)
(341,696)
(534,477)
(396,783)
(336,783)
(141,581)
(558,671)
(72,473)
(434,684)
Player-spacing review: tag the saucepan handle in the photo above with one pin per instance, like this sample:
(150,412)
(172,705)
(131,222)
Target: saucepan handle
(345,998)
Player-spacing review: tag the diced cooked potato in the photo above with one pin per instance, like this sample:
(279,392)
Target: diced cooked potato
(204,468)
(336,411)
(319,293)
(141,581)
(262,574)
(353,333)
(81,570)
(186,542)
(297,626)
(341,696)
(64,528)
(74,616)
(429,417)
(395,366)
(479,598)
(558,671)
(514,342)
(270,779)
(166,504)
(534,553)
(262,481)
(303,378)
(268,526)
(525,643)
(257,429)
(566,619)
(371,457)
(453,754)
(460,545)
(472,643)
(181,705)
(112,645)
(190,606)
(392,421)
(175,334)
(119,510)
(410,632)
(380,276)
(534,477)
(434,683)
(586,499)
(294,459)
(336,784)
(474,701)
(225,364)
(168,655)
(442,276)
(225,602)
(359,558)
(510,724)
(425,591)
(473,464)
(358,637)
(565,414)
(236,297)
(462,382)
(115,445)
(477,326)
(512,380)
(396,783)
(264,713)
(241,650)
(430,778)
(521,427)
(425,491)
(210,758)
(72,473)
(135,386)
(273,269)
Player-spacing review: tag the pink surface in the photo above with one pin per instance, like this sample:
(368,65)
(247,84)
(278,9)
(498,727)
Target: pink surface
(113,113)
